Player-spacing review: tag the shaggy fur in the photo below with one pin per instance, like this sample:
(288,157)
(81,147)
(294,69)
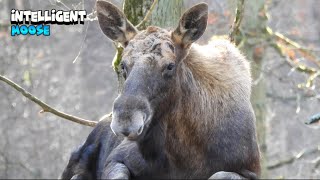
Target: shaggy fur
(197,116)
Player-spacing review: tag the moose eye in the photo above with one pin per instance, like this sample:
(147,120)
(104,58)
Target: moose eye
(171,66)
(171,47)
(169,70)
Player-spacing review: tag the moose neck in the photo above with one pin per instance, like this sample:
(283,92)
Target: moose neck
(180,130)
(152,144)
(175,132)
(187,121)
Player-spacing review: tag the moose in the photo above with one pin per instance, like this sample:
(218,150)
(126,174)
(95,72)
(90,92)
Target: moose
(184,111)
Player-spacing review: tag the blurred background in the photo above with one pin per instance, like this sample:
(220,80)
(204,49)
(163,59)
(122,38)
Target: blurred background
(285,74)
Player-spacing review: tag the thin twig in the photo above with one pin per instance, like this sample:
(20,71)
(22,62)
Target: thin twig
(292,62)
(45,107)
(305,51)
(59,1)
(147,16)
(292,45)
(311,79)
(82,44)
(293,158)
(237,20)
(313,119)
(316,163)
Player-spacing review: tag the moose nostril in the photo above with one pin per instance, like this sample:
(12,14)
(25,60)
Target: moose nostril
(140,130)
(125,133)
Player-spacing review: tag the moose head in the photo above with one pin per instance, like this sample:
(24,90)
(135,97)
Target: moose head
(151,65)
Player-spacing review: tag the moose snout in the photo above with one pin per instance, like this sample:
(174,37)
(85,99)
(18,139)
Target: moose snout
(130,129)
(129,116)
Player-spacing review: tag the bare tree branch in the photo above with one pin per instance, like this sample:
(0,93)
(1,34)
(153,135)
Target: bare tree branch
(147,16)
(287,48)
(296,46)
(282,44)
(316,163)
(82,43)
(290,160)
(237,21)
(45,107)
(313,119)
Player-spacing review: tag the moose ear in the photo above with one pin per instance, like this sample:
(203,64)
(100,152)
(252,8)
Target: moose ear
(114,24)
(192,25)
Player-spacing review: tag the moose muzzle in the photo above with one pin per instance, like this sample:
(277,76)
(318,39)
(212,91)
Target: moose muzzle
(129,116)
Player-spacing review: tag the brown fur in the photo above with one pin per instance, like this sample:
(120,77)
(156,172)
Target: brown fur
(217,77)
(213,79)
(191,103)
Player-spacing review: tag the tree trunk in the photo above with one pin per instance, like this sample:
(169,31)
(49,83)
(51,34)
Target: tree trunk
(167,13)
(253,27)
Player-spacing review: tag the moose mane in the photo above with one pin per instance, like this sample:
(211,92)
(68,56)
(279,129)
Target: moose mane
(218,74)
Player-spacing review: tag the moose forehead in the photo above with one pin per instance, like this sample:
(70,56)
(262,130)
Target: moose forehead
(153,45)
